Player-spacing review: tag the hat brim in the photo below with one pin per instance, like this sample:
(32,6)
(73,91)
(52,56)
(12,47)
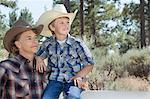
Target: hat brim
(13,32)
(47,17)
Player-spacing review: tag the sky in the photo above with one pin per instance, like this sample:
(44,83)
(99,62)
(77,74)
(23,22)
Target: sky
(37,7)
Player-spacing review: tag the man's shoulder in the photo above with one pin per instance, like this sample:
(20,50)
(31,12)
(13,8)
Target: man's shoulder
(10,63)
(5,61)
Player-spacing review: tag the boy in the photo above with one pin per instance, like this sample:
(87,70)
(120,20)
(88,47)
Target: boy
(69,58)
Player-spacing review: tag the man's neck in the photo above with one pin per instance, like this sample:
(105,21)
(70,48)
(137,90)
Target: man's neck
(27,55)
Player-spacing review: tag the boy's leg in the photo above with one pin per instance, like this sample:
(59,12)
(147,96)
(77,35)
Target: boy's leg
(72,92)
(52,90)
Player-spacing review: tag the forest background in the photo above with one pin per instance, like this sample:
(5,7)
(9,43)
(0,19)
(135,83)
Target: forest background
(117,34)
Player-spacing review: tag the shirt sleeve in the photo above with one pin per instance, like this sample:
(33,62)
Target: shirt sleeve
(43,51)
(85,54)
(2,80)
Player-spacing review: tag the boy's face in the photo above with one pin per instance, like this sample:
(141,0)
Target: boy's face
(27,42)
(60,26)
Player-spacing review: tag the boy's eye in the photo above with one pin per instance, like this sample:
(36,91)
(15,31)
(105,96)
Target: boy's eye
(61,22)
(29,38)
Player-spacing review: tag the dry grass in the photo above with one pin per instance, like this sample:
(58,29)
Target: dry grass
(3,54)
(132,84)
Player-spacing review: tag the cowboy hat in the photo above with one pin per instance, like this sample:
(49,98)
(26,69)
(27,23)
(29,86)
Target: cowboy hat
(19,27)
(47,17)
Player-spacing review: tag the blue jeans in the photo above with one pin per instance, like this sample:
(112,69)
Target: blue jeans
(54,88)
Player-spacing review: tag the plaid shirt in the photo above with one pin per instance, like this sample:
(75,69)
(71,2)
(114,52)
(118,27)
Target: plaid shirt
(17,80)
(65,60)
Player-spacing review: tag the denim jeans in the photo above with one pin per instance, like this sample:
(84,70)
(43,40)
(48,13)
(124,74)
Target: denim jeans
(54,88)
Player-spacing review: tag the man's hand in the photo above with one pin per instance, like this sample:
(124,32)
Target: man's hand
(41,67)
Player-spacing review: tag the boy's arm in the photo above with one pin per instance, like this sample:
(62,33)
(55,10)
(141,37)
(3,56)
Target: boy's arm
(41,54)
(86,60)
(85,71)
(41,67)
(81,74)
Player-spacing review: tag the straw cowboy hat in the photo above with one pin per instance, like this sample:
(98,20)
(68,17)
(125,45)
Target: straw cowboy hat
(19,27)
(47,17)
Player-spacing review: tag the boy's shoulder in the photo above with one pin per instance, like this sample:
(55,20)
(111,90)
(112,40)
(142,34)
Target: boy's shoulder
(75,39)
(48,40)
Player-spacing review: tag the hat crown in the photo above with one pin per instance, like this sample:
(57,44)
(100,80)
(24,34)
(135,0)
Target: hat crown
(60,8)
(21,23)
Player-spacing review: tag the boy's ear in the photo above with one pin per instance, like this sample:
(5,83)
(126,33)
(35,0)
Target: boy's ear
(52,27)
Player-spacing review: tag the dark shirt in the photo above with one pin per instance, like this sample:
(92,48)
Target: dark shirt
(18,80)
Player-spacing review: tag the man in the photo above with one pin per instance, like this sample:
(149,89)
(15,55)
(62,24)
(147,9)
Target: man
(18,76)
(69,58)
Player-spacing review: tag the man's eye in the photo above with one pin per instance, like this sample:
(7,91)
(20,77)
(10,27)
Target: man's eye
(29,38)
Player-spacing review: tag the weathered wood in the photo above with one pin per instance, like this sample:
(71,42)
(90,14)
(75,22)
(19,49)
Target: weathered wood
(115,95)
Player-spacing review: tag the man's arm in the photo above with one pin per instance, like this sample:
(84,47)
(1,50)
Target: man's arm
(2,81)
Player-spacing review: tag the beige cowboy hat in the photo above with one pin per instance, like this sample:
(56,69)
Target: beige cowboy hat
(19,27)
(47,17)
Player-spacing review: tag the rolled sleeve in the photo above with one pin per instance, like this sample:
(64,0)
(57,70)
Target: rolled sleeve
(85,54)
(43,51)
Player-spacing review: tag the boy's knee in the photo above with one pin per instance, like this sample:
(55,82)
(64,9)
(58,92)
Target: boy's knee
(73,96)
(74,93)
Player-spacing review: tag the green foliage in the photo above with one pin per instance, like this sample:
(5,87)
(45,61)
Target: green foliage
(128,84)
(110,68)
(26,15)
(12,17)
(138,64)
(8,3)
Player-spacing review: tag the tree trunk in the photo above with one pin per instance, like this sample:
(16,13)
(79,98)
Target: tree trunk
(148,13)
(67,5)
(93,30)
(81,18)
(142,21)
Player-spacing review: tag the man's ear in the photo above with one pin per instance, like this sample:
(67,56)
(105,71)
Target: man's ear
(18,45)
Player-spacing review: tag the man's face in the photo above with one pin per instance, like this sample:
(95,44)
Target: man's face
(61,26)
(27,42)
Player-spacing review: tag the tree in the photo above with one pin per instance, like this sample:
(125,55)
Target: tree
(12,17)
(67,4)
(3,25)
(147,21)
(26,15)
(8,3)
(142,21)
(81,18)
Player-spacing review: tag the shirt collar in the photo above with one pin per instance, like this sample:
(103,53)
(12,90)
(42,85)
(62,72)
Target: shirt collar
(22,59)
(68,39)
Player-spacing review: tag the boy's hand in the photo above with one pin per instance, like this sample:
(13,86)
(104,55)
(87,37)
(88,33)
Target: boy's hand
(77,81)
(41,67)
(81,83)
